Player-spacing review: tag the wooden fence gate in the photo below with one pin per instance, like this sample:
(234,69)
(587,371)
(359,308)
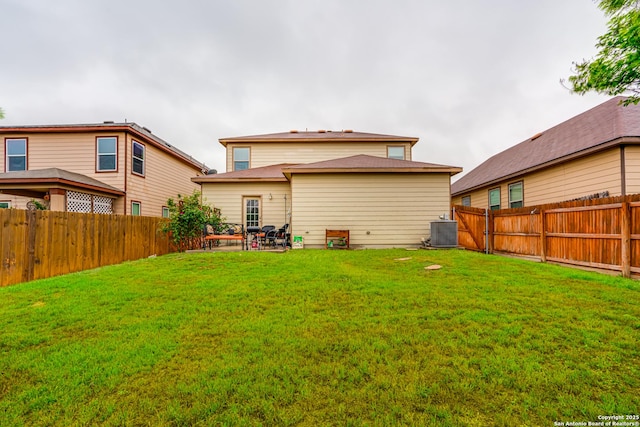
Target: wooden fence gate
(472,227)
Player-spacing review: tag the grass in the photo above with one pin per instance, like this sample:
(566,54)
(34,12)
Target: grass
(317,337)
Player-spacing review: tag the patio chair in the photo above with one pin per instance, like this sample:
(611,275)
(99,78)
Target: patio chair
(279,237)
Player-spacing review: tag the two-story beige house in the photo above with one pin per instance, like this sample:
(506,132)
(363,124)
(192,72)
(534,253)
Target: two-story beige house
(118,168)
(596,153)
(314,181)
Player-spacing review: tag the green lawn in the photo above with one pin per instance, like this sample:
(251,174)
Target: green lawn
(316,337)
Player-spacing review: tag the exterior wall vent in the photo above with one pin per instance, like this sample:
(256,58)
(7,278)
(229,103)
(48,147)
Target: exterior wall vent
(444,234)
(348,131)
(108,122)
(321,131)
(293,131)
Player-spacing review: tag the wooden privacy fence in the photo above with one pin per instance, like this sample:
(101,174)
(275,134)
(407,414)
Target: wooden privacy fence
(600,233)
(40,244)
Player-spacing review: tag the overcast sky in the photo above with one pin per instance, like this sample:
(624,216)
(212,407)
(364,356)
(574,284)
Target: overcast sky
(469,78)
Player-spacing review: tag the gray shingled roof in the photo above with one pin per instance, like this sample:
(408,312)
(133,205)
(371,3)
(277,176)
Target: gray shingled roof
(594,129)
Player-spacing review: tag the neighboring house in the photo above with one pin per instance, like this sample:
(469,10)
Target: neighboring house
(118,168)
(596,153)
(314,181)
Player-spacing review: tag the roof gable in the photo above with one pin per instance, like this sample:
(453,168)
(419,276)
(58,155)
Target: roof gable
(591,130)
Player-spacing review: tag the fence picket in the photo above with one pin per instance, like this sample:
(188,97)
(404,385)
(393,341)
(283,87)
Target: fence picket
(40,244)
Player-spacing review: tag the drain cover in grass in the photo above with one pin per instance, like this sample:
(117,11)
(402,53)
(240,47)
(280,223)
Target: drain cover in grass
(433,267)
(403,259)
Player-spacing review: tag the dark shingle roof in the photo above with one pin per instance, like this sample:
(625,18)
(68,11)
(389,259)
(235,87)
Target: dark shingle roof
(592,130)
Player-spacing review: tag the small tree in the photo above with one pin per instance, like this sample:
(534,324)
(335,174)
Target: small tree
(187,219)
(1,114)
(616,68)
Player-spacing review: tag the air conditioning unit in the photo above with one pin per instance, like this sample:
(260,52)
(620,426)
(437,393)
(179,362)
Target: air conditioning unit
(444,234)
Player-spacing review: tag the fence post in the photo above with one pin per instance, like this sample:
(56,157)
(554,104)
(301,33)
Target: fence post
(625,232)
(543,236)
(27,274)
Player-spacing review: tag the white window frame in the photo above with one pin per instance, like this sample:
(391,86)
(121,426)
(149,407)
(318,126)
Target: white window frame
(237,160)
(6,203)
(491,207)
(516,201)
(99,154)
(165,212)
(139,159)
(8,156)
(138,205)
(391,155)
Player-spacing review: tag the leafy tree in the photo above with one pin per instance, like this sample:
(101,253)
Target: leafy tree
(616,68)
(187,219)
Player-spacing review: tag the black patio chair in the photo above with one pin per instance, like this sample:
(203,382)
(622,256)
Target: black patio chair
(279,237)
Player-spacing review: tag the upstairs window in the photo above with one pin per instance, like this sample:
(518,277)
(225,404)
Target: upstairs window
(241,158)
(137,158)
(106,154)
(16,155)
(516,198)
(494,199)
(136,208)
(395,153)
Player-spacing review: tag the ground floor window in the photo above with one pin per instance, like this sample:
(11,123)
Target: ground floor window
(516,199)
(466,201)
(5,204)
(165,212)
(494,199)
(135,208)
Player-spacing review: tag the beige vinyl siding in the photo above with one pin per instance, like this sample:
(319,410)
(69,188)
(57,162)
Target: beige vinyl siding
(395,209)
(74,152)
(266,154)
(164,178)
(632,169)
(577,178)
(228,198)
(480,198)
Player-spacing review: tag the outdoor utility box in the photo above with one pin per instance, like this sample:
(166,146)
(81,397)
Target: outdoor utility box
(444,234)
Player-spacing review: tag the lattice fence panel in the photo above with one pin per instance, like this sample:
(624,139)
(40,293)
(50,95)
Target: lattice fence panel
(102,205)
(78,202)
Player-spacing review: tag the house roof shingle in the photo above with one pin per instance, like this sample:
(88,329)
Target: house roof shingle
(270,173)
(319,136)
(364,163)
(595,129)
(56,176)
